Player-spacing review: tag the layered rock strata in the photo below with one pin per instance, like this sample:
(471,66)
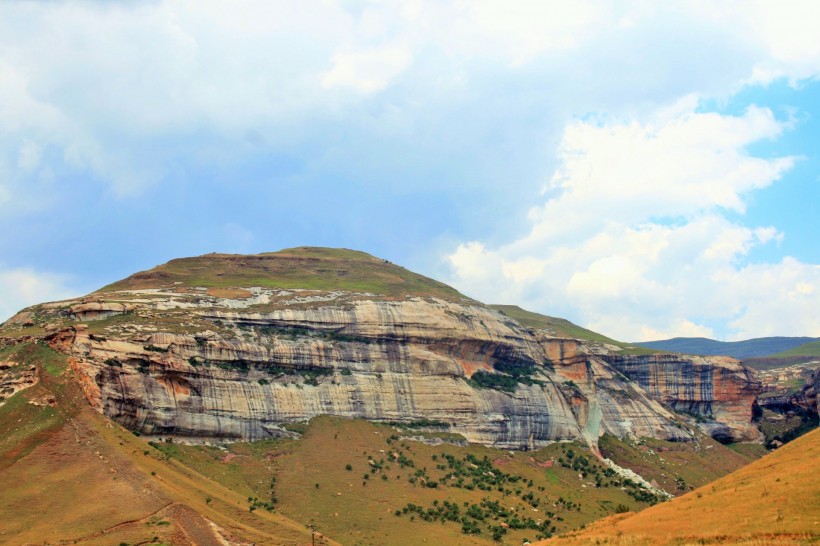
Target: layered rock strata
(406,362)
(718,391)
(412,361)
(240,362)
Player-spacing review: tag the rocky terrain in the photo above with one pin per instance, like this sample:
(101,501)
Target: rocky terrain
(238,347)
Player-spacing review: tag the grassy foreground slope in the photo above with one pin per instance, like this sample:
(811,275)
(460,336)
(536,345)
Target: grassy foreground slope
(310,268)
(71,476)
(774,500)
(349,478)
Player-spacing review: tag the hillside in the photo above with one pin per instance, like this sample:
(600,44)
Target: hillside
(808,349)
(750,348)
(305,268)
(564,328)
(774,500)
(69,475)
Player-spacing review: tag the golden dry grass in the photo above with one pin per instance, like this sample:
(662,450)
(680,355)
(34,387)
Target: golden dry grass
(775,500)
(81,479)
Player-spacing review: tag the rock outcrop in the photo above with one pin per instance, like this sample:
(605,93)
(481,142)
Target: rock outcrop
(15,377)
(718,391)
(242,360)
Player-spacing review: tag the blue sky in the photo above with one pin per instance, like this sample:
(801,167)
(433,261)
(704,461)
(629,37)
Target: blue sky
(645,170)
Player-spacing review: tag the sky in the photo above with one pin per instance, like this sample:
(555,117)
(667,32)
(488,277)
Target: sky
(645,169)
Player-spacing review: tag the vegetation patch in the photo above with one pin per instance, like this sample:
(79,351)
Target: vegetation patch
(671,463)
(299,332)
(507,377)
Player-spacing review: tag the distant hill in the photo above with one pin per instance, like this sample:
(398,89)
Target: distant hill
(762,346)
(810,349)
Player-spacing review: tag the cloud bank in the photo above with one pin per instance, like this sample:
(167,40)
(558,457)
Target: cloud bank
(636,238)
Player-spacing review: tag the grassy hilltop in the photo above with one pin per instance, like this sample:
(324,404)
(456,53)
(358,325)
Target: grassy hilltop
(309,268)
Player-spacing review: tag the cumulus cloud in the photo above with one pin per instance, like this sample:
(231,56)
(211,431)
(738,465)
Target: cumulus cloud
(104,82)
(634,237)
(367,71)
(102,103)
(788,31)
(21,287)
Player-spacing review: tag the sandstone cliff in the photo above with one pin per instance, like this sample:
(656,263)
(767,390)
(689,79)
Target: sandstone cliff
(236,347)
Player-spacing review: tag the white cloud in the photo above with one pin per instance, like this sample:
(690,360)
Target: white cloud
(21,287)
(633,238)
(788,29)
(116,95)
(776,298)
(367,71)
(528,29)
(104,81)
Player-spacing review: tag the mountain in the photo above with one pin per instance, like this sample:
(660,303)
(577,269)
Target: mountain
(247,399)
(774,500)
(234,347)
(758,347)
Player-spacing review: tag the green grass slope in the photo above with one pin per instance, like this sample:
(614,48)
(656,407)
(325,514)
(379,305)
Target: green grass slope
(563,327)
(801,354)
(367,483)
(774,500)
(810,349)
(309,268)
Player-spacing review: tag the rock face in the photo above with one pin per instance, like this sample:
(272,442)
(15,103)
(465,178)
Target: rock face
(240,361)
(15,377)
(394,361)
(611,404)
(802,400)
(717,389)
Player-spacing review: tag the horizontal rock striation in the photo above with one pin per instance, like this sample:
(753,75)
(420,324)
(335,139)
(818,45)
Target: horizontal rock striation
(716,390)
(166,357)
(390,361)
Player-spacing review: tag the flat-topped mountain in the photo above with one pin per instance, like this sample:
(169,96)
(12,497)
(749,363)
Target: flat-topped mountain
(238,347)
(304,268)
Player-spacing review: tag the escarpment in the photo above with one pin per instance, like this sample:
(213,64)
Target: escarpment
(237,347)
(718,391)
